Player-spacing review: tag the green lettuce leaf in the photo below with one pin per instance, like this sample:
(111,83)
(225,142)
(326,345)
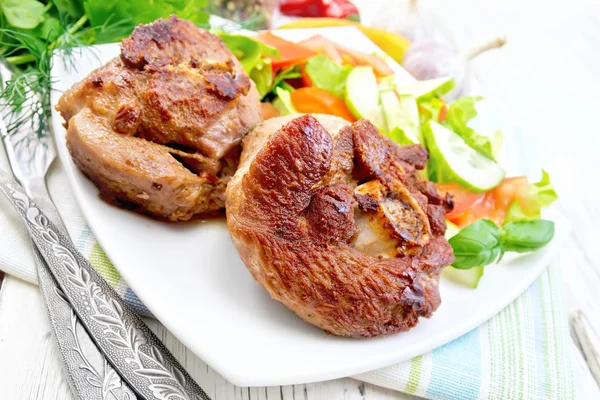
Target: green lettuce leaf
(543,191)
(540,194)
(326,74)
(262,76)
(399,136)
(283,102)
(515,213)
(430,110)
(460,112)
(292,72)
(247,50)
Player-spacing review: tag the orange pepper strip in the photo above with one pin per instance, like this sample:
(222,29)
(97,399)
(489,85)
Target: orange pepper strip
(290,53)
(380,67)
(323,46)
(305,78)
(315,100)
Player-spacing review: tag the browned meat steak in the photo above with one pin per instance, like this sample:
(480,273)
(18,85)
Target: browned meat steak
(160,127)
(335,222)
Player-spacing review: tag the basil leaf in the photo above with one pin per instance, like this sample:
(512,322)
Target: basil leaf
(476,245)
(524,236)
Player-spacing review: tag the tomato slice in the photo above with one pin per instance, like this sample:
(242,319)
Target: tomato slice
(493,205)
(315,100)
(463,199)
(290,53)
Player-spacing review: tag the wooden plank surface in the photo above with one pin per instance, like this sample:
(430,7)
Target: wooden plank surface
(545,80)
(30,366)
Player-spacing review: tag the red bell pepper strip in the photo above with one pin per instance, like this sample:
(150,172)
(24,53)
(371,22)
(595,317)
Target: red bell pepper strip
(320,8)
(301,8)
(339,9)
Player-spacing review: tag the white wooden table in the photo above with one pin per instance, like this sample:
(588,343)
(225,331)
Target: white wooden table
(546,79)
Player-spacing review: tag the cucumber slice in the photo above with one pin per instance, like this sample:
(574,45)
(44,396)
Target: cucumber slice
(401,112)
(468,277)
(425,90)
(452,160)
(386,83)
(410,122)
(362,96)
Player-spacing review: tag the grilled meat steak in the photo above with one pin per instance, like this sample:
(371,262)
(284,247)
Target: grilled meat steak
(159,128)
(335,222)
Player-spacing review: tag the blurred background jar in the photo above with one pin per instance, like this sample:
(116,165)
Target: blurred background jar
(250,14)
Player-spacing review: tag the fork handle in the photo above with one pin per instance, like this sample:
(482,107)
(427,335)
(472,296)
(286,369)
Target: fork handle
(37,190)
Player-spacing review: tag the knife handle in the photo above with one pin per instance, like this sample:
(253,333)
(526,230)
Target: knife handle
(126,341)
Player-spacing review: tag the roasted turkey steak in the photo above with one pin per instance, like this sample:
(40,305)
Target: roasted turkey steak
(159,128)
(335,222)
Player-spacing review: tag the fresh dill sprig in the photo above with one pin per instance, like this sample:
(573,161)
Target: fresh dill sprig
(30,36)
(27,93)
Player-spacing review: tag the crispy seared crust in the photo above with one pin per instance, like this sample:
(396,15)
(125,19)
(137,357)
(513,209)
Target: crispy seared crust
(295,216)
(174,85)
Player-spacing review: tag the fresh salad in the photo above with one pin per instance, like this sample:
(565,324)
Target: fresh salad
(493,214)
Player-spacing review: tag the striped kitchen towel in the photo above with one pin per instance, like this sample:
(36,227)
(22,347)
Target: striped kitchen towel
(524,352)
(521,353)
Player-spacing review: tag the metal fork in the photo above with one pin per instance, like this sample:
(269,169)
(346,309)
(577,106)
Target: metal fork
(89,374)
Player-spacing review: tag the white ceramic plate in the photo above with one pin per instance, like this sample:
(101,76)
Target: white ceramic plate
(190,276)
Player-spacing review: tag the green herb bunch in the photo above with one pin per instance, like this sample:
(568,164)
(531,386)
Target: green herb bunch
(31,31)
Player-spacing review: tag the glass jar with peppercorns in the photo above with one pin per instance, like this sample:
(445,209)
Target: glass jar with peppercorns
(251,14)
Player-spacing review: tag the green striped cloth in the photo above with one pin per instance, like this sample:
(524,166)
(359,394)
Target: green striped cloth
(522,353)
